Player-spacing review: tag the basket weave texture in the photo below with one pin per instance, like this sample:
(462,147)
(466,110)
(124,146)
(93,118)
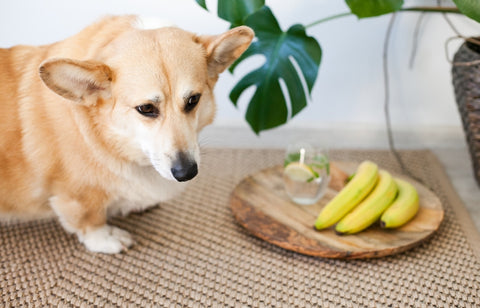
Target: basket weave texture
(190,252)
(466,82)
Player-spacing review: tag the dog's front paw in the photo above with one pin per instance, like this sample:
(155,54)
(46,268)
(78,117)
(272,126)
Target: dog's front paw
(107,239)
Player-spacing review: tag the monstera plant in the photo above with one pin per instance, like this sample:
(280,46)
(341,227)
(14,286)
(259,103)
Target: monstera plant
(267,107)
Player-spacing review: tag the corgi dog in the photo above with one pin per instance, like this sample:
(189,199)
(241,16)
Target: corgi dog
(106,122)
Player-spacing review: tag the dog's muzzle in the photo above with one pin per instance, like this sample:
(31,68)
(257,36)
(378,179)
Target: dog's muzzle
(184,168)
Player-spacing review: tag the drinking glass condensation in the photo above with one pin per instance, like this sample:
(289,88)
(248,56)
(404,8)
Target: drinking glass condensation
(306,173)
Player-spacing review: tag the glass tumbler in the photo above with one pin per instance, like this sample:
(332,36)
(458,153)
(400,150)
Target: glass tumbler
(306,173)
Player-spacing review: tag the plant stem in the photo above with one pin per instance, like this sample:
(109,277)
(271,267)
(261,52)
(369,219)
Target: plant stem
(386,105)
(328,18)
(432,9)
(415,39)
(429,9)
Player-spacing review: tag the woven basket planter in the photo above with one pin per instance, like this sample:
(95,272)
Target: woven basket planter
(466,81)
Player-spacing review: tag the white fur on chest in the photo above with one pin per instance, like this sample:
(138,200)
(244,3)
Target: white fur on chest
(141,188)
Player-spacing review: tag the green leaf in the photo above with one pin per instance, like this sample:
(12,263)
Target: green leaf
(350,178)
(202,4)
(470,8)
(291,157)
(323,162)
(235,11)
(268,106)
(370,8)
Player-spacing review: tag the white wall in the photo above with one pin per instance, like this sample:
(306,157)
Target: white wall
(349,90)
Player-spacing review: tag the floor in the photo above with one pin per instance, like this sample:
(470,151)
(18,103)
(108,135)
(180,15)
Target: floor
(448,145)
(457,164)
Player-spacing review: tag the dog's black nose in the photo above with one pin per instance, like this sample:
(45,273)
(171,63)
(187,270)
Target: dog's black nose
(184,168)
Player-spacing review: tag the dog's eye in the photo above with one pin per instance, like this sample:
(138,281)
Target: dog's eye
(192,101)
(148,110)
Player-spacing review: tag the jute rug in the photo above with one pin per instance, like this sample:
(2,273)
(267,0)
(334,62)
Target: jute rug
(190,252)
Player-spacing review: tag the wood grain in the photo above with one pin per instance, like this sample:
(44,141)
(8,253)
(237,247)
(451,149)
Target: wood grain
(261,205)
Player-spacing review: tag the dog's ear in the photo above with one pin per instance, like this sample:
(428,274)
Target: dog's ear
(224,49)
(81,81)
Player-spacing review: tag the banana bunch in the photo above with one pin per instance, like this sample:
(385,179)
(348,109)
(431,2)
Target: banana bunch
(372,194)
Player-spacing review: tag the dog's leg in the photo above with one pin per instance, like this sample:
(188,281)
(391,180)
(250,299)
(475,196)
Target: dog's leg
(86,217)
(107,239)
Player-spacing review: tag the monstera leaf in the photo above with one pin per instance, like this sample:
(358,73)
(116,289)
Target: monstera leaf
(202,3)
(268,107)
(370,8)
(470,8)
(235,11)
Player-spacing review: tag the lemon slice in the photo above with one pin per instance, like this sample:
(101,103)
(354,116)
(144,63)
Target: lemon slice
(299,172)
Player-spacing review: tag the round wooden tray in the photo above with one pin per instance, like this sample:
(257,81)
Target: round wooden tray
(261,205)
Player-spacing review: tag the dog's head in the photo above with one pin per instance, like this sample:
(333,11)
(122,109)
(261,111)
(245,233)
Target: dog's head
(150,92)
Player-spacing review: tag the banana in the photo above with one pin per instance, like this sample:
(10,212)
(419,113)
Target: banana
(359,186)
(403,209)
(370,209)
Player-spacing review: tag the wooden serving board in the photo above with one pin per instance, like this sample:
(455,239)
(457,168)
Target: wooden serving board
(261,205)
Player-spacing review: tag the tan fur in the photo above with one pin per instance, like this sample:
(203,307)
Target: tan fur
(66,111)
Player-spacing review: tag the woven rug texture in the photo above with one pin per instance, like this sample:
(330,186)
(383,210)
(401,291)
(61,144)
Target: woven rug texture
(190,252)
